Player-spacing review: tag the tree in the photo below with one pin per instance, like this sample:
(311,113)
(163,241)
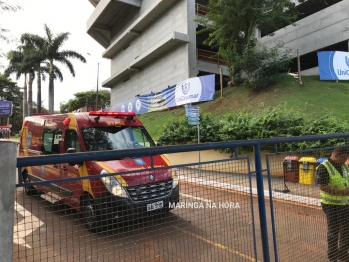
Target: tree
(80,100)
(260,65)
(22,62)
(19,66)
(51,45)
(231,25)
(6,7)
(11,92)
(37,56)
(35,108)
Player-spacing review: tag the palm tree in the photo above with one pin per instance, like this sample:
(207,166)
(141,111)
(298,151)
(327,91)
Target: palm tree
(41,70)
(19,66)
(37,56)
(51,48)
(45,69)
(31,74)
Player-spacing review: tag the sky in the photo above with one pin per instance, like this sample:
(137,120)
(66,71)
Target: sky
(60,16)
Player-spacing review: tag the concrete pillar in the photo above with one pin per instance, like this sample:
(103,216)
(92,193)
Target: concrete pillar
(192,45)
(8,159)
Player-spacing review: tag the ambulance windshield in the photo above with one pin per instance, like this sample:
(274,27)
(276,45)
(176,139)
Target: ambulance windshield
(115,137)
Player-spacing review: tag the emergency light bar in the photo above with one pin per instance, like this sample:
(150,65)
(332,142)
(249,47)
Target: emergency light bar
(115,114)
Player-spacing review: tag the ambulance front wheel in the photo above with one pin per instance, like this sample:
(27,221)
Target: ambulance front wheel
(91,214)
(29,190)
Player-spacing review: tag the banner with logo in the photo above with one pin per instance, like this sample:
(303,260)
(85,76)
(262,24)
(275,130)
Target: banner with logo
(5,108)
(333,65)
(192,90)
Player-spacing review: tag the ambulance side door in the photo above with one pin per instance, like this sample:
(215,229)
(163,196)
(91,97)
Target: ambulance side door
(71,140)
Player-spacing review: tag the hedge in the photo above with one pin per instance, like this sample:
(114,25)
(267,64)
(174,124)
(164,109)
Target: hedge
(270,123)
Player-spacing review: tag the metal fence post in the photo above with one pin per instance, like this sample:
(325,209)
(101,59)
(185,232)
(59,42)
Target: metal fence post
(261,202)
(8,158)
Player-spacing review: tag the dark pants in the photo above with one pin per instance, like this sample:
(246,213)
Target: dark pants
(338,232)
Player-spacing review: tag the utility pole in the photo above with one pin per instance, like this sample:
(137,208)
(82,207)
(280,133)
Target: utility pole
(221,81)
(299,68)
(97,87)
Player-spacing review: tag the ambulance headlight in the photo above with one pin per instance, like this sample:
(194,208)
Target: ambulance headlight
(175,179)
(113,185)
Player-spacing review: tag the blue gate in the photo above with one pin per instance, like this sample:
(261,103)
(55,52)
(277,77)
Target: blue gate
(232,209)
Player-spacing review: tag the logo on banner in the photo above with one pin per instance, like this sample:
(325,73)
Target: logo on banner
(185,88)
(129,108)
(192,90)
(138,105)
(347,61)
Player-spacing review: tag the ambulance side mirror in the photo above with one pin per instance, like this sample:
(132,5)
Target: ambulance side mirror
(73,150)
(158,144)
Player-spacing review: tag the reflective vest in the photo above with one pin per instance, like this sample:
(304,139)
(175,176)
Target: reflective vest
(336,181)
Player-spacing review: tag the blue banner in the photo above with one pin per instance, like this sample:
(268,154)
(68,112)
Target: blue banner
(192,90)
(333,65)
(5,108)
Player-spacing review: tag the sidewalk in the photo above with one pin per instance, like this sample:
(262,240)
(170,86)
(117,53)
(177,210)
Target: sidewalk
(305,194)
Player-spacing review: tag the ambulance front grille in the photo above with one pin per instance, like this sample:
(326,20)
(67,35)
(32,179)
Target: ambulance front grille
(150,191)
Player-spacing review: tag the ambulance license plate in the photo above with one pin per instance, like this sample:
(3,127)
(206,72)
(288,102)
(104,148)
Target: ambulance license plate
(156,205)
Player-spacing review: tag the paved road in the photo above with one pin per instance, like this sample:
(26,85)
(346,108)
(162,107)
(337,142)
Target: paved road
(213,224)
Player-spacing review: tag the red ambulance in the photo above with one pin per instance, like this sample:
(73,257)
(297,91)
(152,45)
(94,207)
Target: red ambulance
(115,198)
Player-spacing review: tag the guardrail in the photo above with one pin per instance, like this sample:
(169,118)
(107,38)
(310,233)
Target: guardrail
(200,9)
(209,56)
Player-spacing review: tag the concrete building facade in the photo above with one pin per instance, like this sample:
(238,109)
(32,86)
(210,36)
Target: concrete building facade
(324,27)
(151,44)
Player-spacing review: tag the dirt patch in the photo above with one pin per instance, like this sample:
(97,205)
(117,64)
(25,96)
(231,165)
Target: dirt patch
(254,93)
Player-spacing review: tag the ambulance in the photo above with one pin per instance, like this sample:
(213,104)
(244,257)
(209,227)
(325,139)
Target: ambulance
(108,199)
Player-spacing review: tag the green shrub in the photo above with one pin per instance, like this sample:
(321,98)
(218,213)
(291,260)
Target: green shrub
(270,123)
(179,131)
(260,64)
(209,129)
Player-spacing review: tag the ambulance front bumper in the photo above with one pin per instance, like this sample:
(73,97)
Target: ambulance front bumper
(118,209)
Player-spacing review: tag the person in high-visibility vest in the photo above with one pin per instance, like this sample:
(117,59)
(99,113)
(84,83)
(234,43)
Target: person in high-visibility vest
(334,192)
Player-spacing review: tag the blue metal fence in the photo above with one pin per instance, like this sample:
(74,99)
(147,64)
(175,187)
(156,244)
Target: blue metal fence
(268,244)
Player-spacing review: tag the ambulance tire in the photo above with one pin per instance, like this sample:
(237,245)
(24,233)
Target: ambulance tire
(29,190)
(91,214)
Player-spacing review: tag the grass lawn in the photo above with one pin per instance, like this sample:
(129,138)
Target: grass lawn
(316,98)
